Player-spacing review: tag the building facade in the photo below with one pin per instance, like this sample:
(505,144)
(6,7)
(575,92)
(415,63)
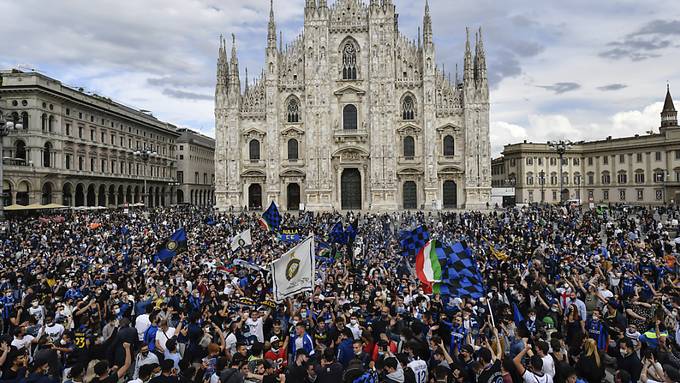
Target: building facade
(643,169)
(195,155)
(351,114)
(78,149)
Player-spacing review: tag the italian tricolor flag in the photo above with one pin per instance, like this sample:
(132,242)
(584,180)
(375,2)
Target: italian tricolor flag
(265,225)
(428,268)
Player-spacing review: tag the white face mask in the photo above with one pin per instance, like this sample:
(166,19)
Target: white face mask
(532,318)
(353,322)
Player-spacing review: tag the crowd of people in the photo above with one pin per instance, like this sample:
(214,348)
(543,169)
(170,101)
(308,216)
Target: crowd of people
(572,294)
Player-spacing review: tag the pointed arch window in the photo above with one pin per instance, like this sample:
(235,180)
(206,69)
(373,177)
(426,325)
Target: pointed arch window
(349,62)
(293,110)
(408,108)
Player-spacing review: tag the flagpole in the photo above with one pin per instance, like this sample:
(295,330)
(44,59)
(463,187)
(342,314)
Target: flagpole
(493,322)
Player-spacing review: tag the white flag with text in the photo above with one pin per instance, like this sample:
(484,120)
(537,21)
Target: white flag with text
(294,272)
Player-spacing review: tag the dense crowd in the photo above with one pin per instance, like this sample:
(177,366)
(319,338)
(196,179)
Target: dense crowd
(572,295)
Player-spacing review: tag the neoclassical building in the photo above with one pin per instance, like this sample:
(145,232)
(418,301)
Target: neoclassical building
(78,149)
(195,168)
(643,169)
(352,114)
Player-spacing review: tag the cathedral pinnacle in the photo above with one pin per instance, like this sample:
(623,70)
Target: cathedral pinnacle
(427,25)
(271,34)
(468,72)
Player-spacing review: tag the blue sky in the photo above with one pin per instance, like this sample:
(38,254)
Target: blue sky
(578,69)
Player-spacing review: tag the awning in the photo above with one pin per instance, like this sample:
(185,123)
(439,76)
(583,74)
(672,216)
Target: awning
(34,206)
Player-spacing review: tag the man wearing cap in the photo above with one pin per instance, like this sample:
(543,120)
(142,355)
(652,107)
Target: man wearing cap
(276,354)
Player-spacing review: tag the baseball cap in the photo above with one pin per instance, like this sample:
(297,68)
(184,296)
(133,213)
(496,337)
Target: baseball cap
(273,339)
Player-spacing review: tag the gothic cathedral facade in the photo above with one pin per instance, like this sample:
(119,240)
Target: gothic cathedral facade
(353,115)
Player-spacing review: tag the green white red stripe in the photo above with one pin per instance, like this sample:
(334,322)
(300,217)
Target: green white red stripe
(265,225)
(428,269)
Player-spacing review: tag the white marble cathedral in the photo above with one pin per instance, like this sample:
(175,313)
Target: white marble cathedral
(353,115)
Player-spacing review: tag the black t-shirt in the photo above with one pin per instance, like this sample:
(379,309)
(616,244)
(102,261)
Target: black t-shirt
(492,374)
(112,378)
(164,379)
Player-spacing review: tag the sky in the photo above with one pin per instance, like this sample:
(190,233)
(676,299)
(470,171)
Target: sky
(577,69)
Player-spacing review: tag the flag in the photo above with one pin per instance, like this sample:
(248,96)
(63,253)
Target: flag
(516,315)
(337,234)
(271,219)
(499,254)
(210,221)
(460,275)
(428,269)
(248,265)
(124,230)
(413,240)
(351,233)
(241,239)
(289,234)
(293,273)
(172,246)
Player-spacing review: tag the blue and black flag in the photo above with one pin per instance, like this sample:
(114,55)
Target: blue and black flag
(413,240)
(172,246)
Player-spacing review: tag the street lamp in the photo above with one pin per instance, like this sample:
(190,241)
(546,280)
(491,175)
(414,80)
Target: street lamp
(172,185)
(541,180)
(560,147)
(145,155)
(5,127)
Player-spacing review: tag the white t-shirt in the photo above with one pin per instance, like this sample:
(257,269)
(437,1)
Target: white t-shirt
(23,342)
(530,377)
(255,327)
(548,366)
(141,324)
(162,337)
(54,332)
(230,343)
(356,330)
(419,368)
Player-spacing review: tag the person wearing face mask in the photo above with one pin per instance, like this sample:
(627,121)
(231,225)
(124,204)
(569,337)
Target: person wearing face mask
(144,357)
(276,354)
(628,360)
(354,326)
(52,329)
(597,330)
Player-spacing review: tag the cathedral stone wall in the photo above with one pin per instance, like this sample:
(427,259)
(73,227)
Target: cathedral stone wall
(353,115)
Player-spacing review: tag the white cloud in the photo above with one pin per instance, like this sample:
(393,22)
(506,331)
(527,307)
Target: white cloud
(637,121)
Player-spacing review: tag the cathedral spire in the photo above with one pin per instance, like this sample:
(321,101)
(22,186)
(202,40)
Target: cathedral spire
(480,59)
(427,25)
(468,74)
(246,79)
(234,79)
(271,34)
(222,66)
